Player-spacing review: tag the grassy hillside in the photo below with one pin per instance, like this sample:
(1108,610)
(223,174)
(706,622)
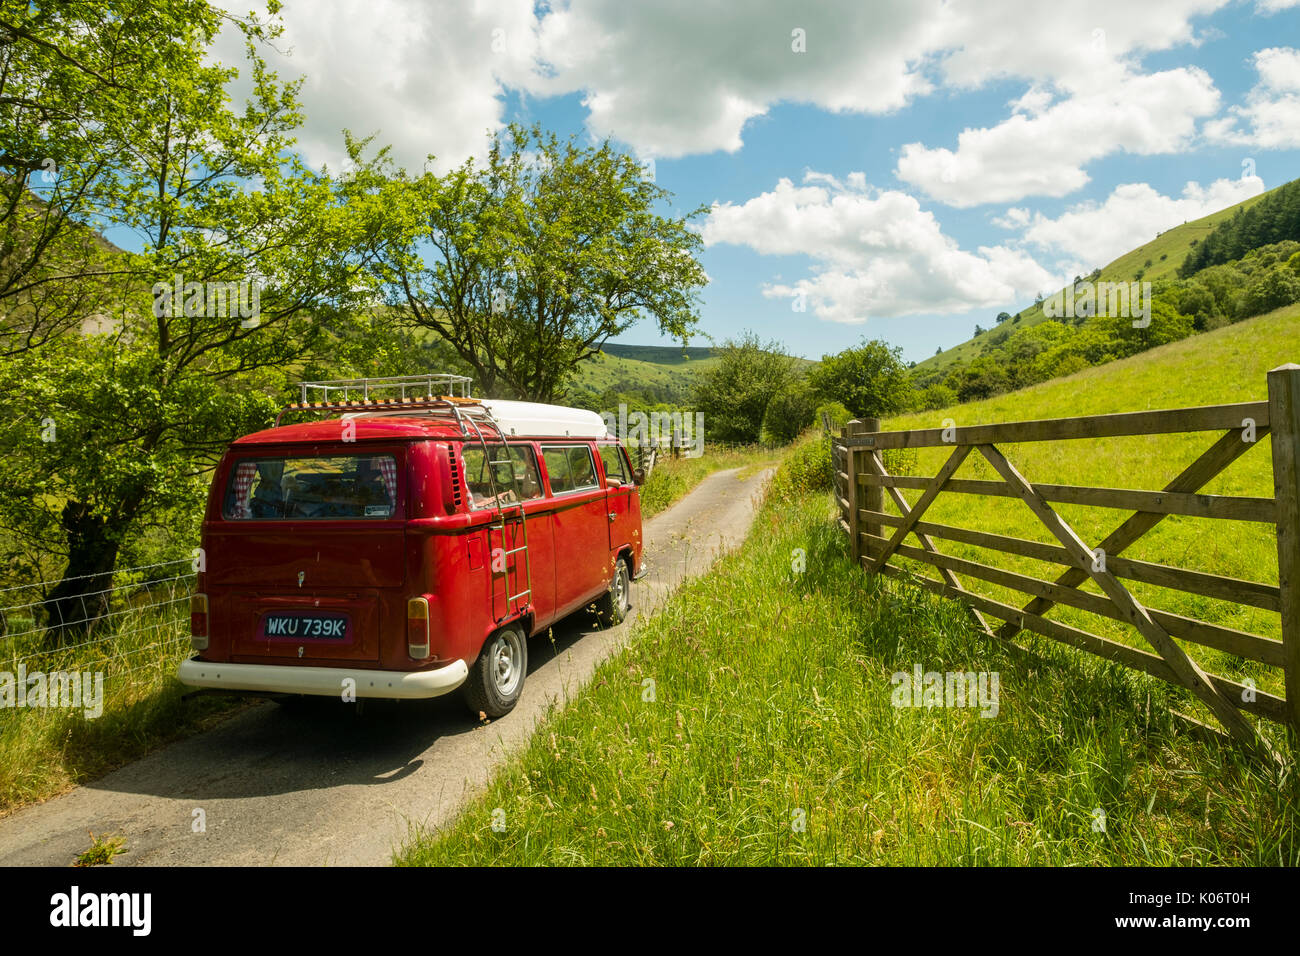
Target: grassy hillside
(1225,365)
(666,371)
(661,354)
(1164,253)
(660,371)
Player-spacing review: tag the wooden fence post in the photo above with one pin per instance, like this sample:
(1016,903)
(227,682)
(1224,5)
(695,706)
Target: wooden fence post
(851,469)
(873,498)
(1284,424)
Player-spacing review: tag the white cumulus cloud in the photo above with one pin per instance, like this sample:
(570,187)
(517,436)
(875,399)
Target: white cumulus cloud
(427,78)
(681,77)
(875,253)
(1270,117)
(1042,151)
(1094,234)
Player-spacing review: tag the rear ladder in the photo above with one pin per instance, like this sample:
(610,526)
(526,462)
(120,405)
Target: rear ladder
(507,515)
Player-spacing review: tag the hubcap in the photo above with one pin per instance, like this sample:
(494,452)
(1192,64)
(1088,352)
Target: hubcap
(507,661)
(620,587)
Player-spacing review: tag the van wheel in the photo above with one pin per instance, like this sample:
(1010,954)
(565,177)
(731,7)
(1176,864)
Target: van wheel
(496,681)
(613,605)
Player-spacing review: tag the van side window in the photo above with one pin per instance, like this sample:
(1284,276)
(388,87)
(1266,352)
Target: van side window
(557,469)
(582,467)
(611,457)
(515,474)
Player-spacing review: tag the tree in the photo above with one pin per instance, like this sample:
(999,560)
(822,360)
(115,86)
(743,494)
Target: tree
(120,427)
(934,396)
(1003,316)
(1272,289)
(983,378)
(734,392)
(789,412)
(535,258)
(77,84)
(1273,217)
(835,413)
(869,379)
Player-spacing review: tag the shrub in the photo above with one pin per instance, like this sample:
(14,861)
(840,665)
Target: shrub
(733,394)
(806,469)
(935,396)
(869,379)
(899,462)
(836,412)
(789,412)
(1272,290)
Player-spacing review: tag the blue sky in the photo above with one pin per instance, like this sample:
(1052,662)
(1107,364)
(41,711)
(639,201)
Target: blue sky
(914,169)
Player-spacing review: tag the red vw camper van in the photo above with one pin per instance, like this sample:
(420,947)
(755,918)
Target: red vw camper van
(408,544)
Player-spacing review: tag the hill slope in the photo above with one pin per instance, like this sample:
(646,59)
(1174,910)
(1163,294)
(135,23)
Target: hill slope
(1157,259)
(660,373)
(661,354)
(665,373)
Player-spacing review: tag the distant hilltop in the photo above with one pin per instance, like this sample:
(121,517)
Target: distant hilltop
(659,354)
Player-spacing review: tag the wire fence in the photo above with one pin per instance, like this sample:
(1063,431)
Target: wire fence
(114,624)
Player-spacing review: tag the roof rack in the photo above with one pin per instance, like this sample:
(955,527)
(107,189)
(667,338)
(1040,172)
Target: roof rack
(425,386)
(443,392)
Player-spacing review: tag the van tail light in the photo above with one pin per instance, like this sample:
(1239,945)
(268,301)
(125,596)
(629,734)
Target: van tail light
(417,628)
(199,621)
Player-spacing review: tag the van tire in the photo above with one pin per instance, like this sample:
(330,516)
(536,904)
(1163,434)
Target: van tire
(496,679)
(613,605)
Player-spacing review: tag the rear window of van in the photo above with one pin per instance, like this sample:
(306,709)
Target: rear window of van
(332,486)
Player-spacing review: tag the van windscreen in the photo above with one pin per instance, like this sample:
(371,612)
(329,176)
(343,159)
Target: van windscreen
(333,486)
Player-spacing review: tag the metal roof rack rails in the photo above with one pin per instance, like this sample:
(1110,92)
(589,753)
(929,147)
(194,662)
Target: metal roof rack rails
(441,392)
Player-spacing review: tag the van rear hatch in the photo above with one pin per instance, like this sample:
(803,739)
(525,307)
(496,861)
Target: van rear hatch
(307,545)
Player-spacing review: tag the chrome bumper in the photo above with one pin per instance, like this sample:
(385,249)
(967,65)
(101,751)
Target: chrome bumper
(323,681)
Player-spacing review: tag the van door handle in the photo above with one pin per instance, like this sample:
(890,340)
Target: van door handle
(612,515)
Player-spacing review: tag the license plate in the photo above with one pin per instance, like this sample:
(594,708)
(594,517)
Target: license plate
(305,625)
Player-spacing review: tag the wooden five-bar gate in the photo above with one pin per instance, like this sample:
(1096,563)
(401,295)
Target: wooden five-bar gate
(877,537)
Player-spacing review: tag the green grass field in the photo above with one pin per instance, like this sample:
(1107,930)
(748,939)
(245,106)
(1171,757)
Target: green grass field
(1226,365)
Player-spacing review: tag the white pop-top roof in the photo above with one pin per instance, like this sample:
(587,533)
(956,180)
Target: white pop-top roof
(534,418)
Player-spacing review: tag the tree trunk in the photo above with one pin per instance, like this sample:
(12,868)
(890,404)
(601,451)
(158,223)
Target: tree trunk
(81,599)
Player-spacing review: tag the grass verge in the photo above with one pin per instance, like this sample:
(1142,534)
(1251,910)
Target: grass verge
(46,748)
